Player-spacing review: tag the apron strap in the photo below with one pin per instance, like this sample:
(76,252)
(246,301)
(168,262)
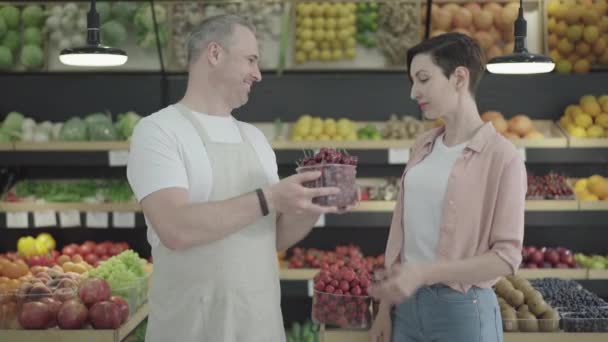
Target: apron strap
(187,113)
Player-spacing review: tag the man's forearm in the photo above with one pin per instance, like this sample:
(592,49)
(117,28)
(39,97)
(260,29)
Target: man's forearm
(201,223)
(472,270)
(293,228)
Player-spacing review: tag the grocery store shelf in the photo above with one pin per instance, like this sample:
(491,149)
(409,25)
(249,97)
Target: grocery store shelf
(6,146)
(575,274)
(598,274)
(595,205)
(342,335)
(349,145)
(67,146)
(89,335)
(297,273)
(84,207)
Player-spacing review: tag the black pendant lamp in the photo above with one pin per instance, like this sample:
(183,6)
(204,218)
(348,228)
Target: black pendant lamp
(93,54)
(520,61)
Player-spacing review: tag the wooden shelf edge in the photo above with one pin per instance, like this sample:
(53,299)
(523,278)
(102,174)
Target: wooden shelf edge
(63,146)
(575,274)
(298,274)
(552,205)
(352,145)
(132,323)
(596,205)
(598,274)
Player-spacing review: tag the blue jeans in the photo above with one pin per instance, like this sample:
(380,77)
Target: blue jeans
(438,313)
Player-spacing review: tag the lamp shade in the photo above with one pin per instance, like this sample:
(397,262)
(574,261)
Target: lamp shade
(520,63)
(93,56)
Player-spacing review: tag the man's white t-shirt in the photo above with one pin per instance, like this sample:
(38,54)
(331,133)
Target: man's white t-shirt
(425,186)
(166,152)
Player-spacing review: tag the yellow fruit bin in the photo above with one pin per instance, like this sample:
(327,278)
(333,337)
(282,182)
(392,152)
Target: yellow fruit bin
(490,23)
(359,34)
(592,192)
(576,34)
(586,122)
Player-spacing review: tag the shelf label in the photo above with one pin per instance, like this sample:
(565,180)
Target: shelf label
(16,219)
(310,286)
(398,155)
(123,220)
(46,218)
(97,219)
(118,158)
(320,222)
(68,219)
(522,152)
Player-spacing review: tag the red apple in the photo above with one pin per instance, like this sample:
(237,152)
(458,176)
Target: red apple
(34,315)
(94,290)
(70,250)
(72,315)
(101,249)
(531,265)
(552,256)
(54,306)
(567,259)
(85,249)
(123,306)
(105,315)
(537,257)
(91,259)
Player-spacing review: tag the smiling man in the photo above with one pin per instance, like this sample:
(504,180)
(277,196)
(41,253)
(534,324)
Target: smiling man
(215,208)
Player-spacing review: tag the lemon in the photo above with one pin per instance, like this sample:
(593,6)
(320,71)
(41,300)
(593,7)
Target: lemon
(581,184)
(318,34)
(595,131)
(343,34)
(47,239)
(602,120)
(307,22)
(314,55)
(330,34)
(337,54)
(589,197)
(331,11)
(569,109)
(316,130)
(324,137)
(351,19)
(343,22)
(306,34)
(350,53)
(593,180)
(351,136)
(304,9)
(41,248)
(575,110)
(302,129)
(301,57)
(564,121)
(587,99)
(336,44)
(325,55)
(26,246)
(297,138)
(319,23)
(583,120)
(316,9)
(338,137)
(578,132)
(351,42)
(330,23)
(310,138)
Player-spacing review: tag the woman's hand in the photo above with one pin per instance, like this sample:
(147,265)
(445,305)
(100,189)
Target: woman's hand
(399,283)
(381,329)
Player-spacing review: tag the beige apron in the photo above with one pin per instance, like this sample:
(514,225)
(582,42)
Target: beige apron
(227,290)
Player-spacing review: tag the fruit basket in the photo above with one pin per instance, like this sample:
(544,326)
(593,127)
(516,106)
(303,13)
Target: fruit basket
(343,311)
(134,293)
(334,175)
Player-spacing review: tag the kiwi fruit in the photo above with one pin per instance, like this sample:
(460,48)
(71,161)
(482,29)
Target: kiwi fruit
(521,283)
(533,295)
(527,322)
(549,321)
(509,320)
(515,298)
(523,308)
(538,307)
(503,288)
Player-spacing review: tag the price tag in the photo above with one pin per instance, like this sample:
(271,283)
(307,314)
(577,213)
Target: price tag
(118,158)
(398,155)
(69,219)
(123,220)
(321,221)
(16,219)
(46,218)
(311,287)
(97,219)
(522,152)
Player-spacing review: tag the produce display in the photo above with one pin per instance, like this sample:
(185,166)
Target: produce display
(519,126)
(593,262)
(367,24)
(523,308)
(92,252)
(303,332)
(581,310)
(93,127)
(543,257)
(588,118)
(382,192)
(185,17)
(72,294)
(577,34)
(315,258)
(316,128)
(592,189)
(340,296)
(491,24)
(325,31)
(66,24)
(398,30)
(407,127)
(338,169)
(22,44)
(369,132)
(71,191)
(551,186)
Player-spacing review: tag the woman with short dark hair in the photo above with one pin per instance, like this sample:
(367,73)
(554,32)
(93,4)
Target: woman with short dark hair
(458,224)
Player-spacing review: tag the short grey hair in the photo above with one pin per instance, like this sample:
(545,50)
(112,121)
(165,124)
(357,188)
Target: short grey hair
(217,29)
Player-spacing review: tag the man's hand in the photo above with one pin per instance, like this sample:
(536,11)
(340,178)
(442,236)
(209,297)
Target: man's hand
(291,197)
(399,283)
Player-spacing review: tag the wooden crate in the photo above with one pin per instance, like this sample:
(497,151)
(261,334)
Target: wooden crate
(88,335)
